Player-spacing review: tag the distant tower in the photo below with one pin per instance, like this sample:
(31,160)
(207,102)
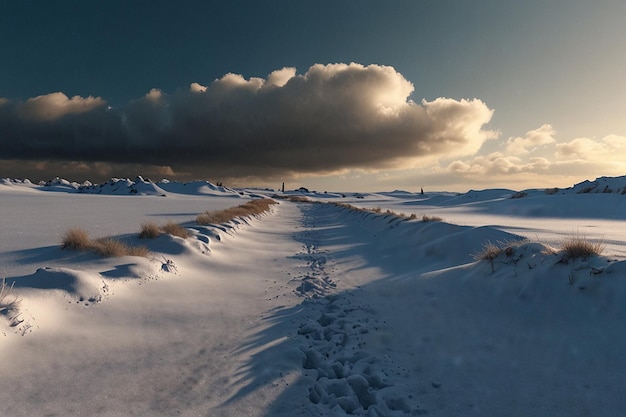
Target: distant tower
(283,189)
(422,191)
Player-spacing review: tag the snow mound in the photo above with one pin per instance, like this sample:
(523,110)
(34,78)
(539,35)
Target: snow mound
(476,196)
(15,181)
(83,286)
(60,185)
(116,186)
(196,188)
(601,185)
(444,243)
(538,274)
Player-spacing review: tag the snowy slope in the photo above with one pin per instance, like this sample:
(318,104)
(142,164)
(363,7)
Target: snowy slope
(600,185)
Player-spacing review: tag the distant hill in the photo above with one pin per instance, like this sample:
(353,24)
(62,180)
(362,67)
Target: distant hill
(601,185)
(126,186)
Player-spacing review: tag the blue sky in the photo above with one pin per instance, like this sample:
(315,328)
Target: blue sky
(535,92)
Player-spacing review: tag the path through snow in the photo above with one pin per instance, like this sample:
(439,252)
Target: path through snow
(222,331)
(344,375)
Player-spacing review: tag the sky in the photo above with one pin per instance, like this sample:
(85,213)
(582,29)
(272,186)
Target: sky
(331,95)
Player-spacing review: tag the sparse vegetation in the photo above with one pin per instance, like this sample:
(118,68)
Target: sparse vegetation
(149,230)
(293,198)
(378,210)
(491,251)
(345,205)
(78,239)
(426,218)
(205,218)
(110,247)
(551,191)
(578,246)
(175,229)
(9,303)
(251,208)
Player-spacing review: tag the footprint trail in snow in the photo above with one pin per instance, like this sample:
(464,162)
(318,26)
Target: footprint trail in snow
(347,377)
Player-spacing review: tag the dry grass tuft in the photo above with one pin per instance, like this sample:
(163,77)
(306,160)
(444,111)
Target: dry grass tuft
(426,218)
(251,208)
(489,252)
(204,218)
(298,199)
(76,239)
(175,229)
(109,247)
(578,246)
(149,230)
(346,206)
(214,217)
(387,212)
(8,302)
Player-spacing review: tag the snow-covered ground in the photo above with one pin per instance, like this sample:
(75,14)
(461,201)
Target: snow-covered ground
(314,309)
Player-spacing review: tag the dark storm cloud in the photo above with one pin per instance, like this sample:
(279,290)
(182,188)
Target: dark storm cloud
(330,118)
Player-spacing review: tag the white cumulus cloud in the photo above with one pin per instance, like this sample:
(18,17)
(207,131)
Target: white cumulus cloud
(496,164)
(533,139)
(588,149)
(55,105)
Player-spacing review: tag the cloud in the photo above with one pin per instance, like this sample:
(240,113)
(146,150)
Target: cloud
(591,149)
(496,164)
(532,140)
(280,77)
(55,105)
(525,164)
(197,88)
(582,156)
(331,118)
(548,165)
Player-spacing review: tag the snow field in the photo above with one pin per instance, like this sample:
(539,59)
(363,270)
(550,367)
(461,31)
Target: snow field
(309,310)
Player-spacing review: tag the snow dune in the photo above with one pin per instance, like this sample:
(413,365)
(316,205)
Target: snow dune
(311,309)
